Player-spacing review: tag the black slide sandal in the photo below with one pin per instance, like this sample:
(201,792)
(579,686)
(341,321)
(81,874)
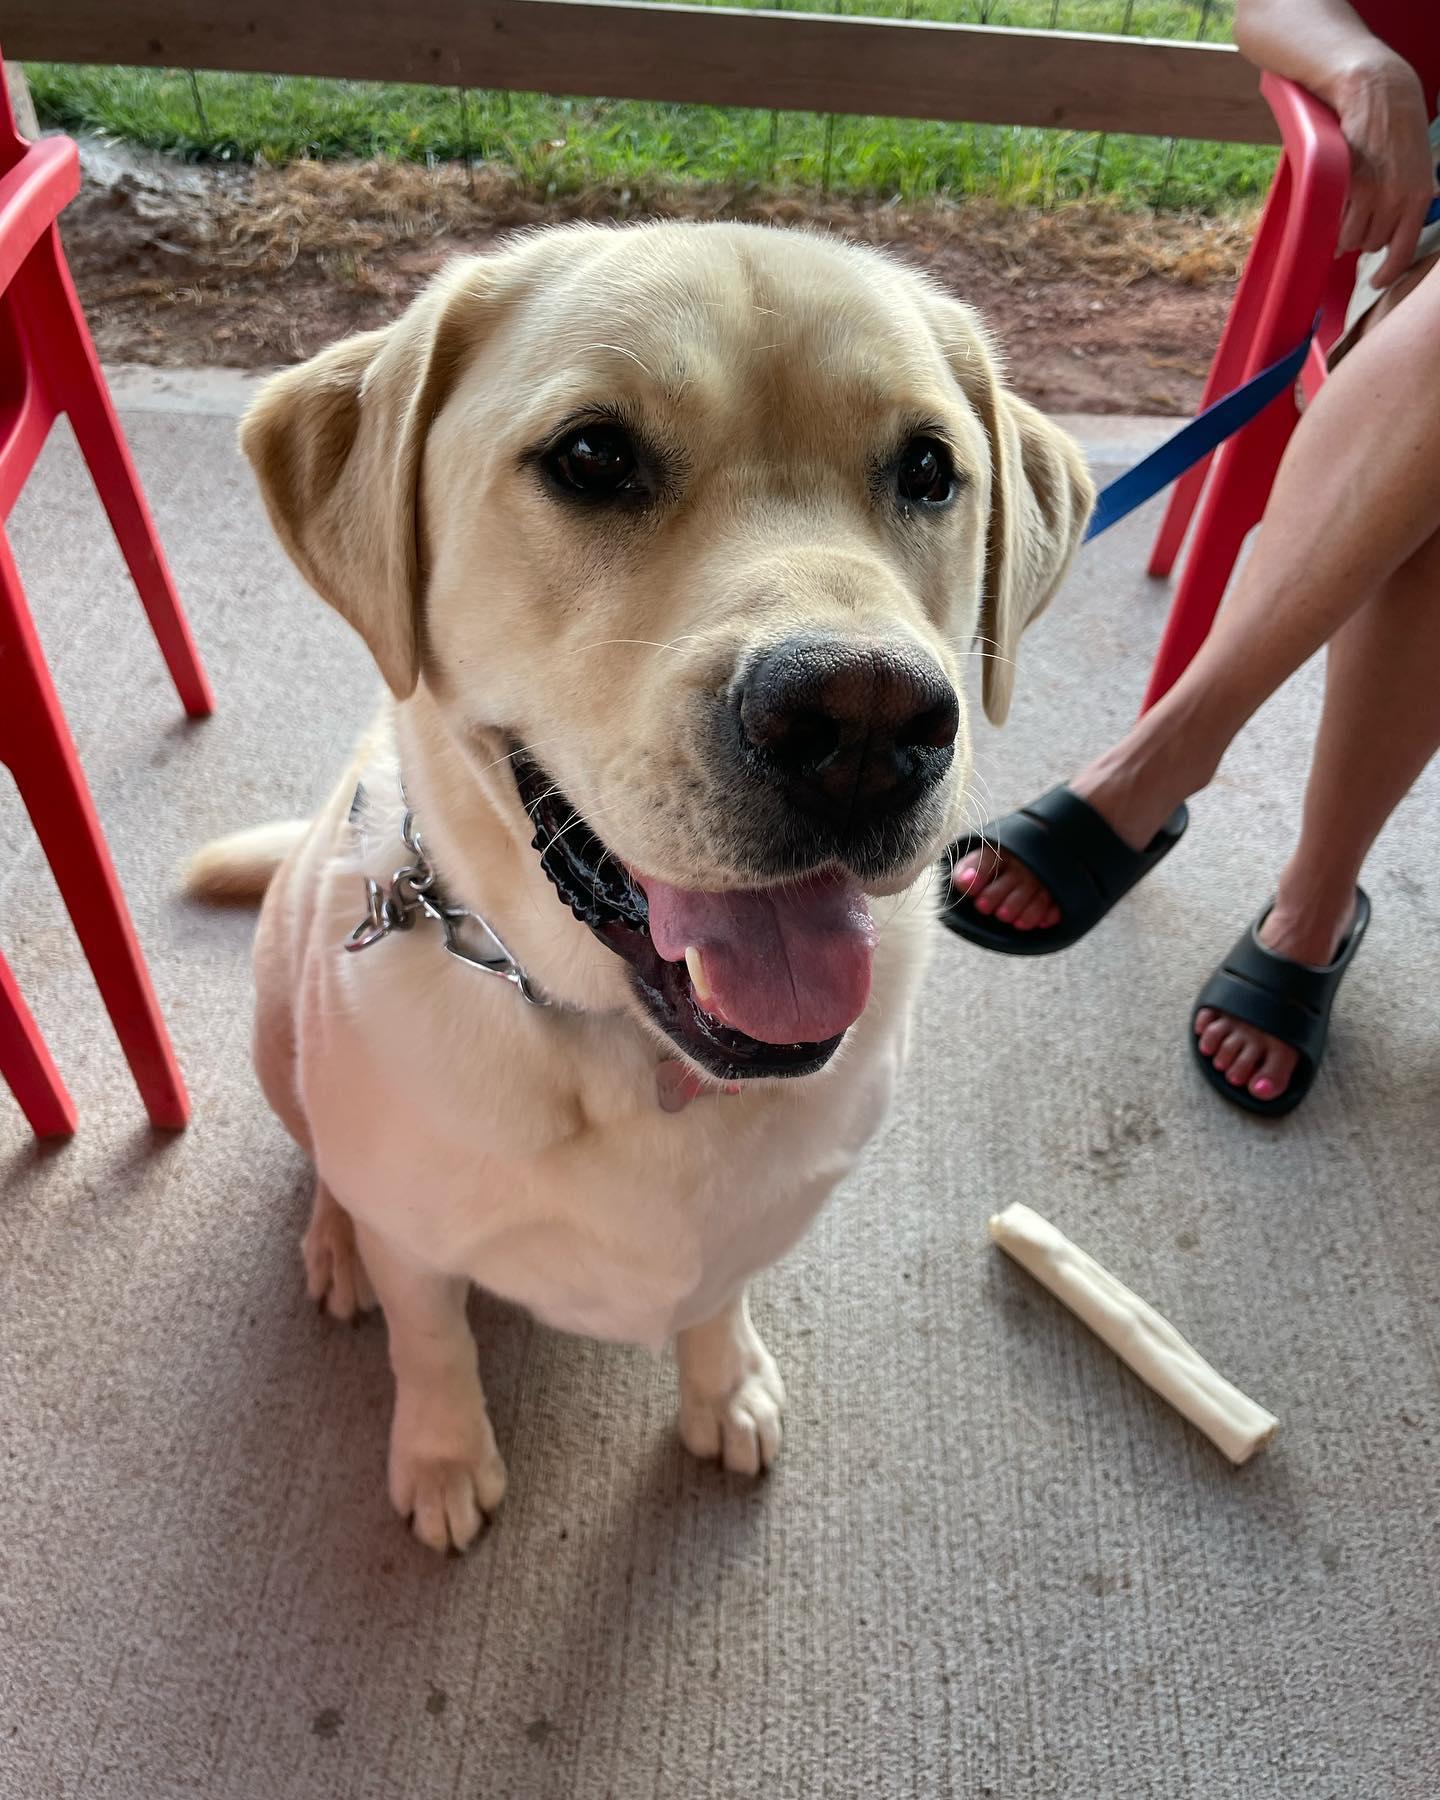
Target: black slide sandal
(1070,849)
(1290,1000)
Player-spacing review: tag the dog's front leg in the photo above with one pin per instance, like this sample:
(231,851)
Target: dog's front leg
(731,1394)
(334,1273)
(446,1473)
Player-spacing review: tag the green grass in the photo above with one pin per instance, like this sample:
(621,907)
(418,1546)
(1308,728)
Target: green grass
(563,146)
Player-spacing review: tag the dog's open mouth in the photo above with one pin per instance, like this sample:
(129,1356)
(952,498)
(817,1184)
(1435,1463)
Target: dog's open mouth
(747,982)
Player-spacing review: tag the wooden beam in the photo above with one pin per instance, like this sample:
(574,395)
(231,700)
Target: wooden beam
(20,102)
(719,56)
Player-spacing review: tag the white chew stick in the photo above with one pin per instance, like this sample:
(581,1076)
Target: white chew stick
(1136,1333)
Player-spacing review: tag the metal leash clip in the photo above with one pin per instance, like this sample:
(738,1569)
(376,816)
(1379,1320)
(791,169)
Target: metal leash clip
(452,919)
(395,909)
(412,891)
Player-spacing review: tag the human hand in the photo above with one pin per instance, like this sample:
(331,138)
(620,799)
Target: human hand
(1392,176)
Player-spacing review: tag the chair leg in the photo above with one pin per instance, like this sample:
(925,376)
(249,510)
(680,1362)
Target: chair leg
(79,385)
(26,1066)
(1179,509)
(1233,505)
(36,743)
(1229,367)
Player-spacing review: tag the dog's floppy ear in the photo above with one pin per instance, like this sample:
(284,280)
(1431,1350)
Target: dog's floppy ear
(1040,500)
(336,445)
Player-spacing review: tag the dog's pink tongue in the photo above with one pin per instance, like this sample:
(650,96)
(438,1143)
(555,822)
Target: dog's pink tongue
(786,965)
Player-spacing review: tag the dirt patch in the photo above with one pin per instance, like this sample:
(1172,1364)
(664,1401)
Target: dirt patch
(1098,310)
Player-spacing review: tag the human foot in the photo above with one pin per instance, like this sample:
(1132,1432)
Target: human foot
(1304,930)
(1134,796)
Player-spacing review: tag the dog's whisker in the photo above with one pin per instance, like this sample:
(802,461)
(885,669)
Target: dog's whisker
(643,643)
(519,750)
(987,650)
(540,799)
(620,350)
(584,819)
(577,818)
(981,793)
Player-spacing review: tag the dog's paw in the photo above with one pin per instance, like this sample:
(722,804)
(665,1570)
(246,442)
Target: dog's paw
(446,1482)
(334,1271)
(740,1428)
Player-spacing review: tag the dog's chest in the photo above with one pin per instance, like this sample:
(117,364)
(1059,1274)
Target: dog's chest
(532,1154)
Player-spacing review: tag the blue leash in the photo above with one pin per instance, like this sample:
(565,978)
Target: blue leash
(1195,440)
(1204,433)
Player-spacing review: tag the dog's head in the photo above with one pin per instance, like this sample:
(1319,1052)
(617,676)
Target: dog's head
(700,522)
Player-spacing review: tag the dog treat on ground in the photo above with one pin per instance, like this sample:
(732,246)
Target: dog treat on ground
(1136,1333)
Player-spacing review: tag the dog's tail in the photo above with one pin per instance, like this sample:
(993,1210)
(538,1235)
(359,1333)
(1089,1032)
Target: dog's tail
(240,867)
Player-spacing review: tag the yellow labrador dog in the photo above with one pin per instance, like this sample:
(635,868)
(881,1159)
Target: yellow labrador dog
(592,979)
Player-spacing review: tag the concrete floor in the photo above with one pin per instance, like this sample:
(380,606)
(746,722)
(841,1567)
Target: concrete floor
(990,1562)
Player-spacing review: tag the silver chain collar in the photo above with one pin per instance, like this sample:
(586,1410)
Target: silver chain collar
(413,893)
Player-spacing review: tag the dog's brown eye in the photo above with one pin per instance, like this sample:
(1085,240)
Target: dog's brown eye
(596,462)
(925,475)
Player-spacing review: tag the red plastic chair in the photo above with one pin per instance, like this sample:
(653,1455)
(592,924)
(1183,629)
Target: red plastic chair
(1292,274)
(48,367)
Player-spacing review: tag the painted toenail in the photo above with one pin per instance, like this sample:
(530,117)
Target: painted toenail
(1263,1089)
(1006,913)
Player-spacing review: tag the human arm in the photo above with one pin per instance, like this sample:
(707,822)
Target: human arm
(1324,45)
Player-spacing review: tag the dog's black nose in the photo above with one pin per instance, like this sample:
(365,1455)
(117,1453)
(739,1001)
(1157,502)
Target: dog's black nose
(850,731)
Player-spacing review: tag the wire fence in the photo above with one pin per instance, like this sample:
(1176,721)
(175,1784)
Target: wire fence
(1190,21)
(561,145)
